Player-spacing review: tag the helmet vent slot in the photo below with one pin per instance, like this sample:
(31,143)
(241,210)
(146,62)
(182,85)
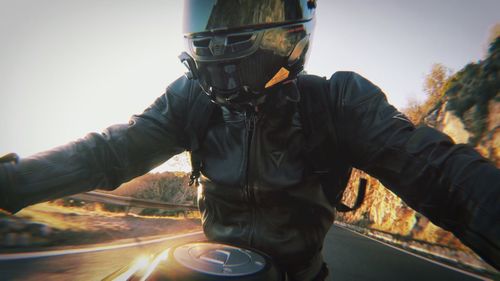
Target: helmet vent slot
(238,38)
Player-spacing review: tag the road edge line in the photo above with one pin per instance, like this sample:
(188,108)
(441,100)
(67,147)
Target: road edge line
(419,256)
(52,253)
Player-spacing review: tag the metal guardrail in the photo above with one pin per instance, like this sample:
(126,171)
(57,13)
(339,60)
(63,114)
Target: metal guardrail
(100,197)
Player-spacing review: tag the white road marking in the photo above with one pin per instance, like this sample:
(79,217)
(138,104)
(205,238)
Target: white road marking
(418,256)
(31,255)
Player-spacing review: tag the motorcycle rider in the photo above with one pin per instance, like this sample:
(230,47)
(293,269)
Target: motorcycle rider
(260,189)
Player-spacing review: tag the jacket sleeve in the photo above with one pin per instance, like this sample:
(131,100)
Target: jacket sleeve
(450,184)
(100,160)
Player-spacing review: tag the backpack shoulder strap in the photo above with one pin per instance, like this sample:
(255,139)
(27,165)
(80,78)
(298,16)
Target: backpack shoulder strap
(322,143)
(199,116)
(314,110)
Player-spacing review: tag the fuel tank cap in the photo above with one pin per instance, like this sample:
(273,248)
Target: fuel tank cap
(219,259)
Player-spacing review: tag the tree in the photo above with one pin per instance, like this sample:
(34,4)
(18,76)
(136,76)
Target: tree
(414,110)
(492,37)
(435,82)
(435,85)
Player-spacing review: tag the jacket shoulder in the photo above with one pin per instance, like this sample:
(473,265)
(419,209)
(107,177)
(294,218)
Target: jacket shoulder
(185,93)
(339,77)
(182,87)
(352,88)
(339,82)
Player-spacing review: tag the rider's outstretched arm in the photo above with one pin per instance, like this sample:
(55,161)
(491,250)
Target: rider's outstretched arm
(99,160)
(450,184)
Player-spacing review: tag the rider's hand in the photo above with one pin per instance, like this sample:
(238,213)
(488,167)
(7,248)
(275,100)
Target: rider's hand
(6,178)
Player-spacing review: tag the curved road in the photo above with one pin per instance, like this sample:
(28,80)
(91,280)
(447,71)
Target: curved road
(93,265)
(349,255)
(353,257)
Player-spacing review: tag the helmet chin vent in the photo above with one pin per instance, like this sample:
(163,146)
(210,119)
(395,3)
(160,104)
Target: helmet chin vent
(202,43)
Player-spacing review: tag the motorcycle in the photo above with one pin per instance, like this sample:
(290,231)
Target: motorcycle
(201,261)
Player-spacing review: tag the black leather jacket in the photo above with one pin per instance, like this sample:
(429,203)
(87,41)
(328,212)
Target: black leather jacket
(258,189)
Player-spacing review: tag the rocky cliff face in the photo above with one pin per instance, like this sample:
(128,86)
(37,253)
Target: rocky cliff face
(489,142)
(384,211)
(489,145)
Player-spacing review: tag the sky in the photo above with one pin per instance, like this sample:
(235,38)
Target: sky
(70,67)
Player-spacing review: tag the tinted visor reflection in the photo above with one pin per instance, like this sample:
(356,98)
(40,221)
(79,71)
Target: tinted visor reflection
(212,15)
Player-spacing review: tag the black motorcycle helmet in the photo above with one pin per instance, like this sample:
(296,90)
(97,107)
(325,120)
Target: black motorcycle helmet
(239,50)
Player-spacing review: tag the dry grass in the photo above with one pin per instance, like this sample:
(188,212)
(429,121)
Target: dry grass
(85,225)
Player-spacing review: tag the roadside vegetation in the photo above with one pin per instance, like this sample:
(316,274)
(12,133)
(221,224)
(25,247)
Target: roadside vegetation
(170,187)
(467,93)
(68,221)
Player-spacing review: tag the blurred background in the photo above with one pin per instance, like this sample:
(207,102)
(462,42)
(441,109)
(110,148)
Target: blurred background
(70,67)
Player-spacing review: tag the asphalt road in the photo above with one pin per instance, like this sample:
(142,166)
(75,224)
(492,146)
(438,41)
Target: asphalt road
(350,257)
(83,266)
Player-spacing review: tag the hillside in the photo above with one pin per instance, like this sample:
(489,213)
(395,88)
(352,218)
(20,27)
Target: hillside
(171,187)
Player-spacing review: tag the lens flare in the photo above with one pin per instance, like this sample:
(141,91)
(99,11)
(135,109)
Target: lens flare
(161,257)
(139,264)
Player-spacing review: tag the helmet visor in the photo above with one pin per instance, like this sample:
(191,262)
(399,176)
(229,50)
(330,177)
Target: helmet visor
(218,15)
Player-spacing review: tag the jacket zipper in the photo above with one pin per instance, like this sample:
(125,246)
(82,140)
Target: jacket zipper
(250,122)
